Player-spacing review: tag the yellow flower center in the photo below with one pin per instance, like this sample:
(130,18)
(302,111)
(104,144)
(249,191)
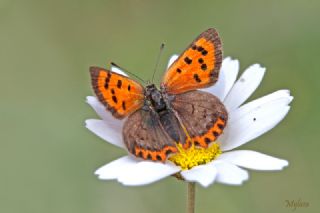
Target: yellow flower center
(194,156)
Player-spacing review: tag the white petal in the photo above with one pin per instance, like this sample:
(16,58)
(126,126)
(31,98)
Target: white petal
(106,131)
(229,174)
(114,169)
(146,172)
(253,160)
(203,174)
(228,74)
(98,107)
(103,112)
(172,59)
(244,87)
(281,97)
(252,122)
(118,70)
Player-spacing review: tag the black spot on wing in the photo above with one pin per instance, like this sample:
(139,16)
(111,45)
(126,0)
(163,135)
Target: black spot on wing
(106,83)
(188,60)
(119,84)
(197,78)
(168,152)
(204,52)
(221,126)
(159,158)
(140,154)
(114,98)
(200,48)
(207,140)
(203,67)
(215,133)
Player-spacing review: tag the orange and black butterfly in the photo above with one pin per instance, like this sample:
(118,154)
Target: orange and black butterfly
(177,113)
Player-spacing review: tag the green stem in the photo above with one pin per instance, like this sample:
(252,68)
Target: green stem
(191,197)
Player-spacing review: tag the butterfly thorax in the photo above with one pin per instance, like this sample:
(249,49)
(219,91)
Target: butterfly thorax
(155,99)
(159,102)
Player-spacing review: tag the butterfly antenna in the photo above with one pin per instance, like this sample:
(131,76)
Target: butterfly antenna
(117,66)
(157,62)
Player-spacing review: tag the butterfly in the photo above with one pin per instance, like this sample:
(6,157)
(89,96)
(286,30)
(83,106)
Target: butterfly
(177,113)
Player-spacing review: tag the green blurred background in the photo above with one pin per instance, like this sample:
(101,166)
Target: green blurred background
(47,156)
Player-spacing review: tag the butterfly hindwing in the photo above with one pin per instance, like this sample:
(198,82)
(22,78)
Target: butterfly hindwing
(202,114)
(197,67)
(145,137)
(118,93)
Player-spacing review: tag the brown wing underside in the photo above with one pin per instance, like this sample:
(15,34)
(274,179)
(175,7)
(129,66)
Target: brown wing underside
(154,136)
(197,67)
(145,137)
(202,114)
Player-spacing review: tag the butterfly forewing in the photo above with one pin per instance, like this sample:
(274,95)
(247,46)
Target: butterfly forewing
(202,114)
(197,67)
(118,93)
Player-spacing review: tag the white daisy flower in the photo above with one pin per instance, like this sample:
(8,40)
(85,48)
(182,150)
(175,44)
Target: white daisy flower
(219,164)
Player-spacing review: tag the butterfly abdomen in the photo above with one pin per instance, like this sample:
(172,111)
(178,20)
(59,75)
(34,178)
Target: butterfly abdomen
(159,104)
(172,126)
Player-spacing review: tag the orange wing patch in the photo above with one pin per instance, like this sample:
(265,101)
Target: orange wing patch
(213,133)
(155,155)
(197,67)
(207,138)
(118,93)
